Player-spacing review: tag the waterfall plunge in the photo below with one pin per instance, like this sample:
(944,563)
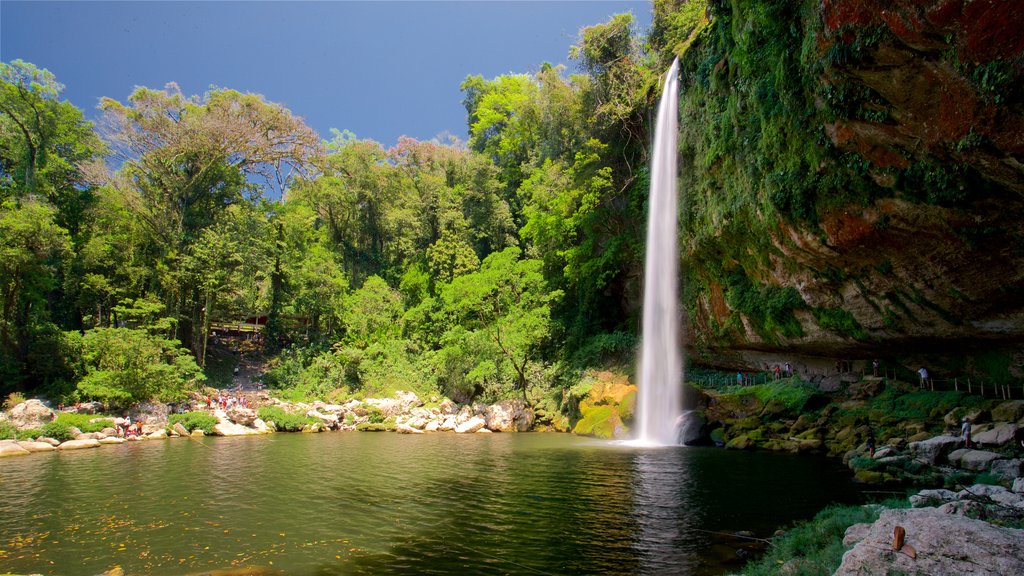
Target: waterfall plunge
(659,404)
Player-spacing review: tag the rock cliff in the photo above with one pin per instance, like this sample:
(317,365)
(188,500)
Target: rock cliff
(855,180)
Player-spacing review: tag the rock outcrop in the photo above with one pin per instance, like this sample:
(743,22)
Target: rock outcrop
(945,544)
(32,414)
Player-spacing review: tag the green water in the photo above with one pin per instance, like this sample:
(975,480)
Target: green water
(365,503)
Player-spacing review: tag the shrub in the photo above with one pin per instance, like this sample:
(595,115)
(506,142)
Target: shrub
(13,399)
(125,366)
(58,431)
(374,416)
(282,420)
(7,430)
(29,433)
(817,543)
(85,422)
(195,420)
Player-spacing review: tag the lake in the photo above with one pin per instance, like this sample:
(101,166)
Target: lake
(381,503)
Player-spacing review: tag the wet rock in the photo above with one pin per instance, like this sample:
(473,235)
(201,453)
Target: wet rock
(933,450)
(157,435)
(406,429)
(112,440)
(511,415)
(51,441)
(261,427)
(471,425)
(484,431)
(690,427)
(11,448)
(945,544)
(180,429)
(79,444)
(329,421)
(36,446)
(32,414)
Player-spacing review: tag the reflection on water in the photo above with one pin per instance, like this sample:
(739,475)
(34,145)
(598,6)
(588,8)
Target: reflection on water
(361,503)
(664,511)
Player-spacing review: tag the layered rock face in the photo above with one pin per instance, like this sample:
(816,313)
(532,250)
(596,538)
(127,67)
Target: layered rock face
(914,235)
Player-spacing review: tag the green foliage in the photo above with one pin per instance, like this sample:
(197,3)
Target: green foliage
(58,431)
(839,321)
(84,422)
(12,400)
(194,420)
(284,421)
(816,544)
(124,366)
(7,431)
(769,308)
(791,393)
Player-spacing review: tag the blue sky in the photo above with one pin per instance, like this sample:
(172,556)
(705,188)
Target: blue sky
(379,69)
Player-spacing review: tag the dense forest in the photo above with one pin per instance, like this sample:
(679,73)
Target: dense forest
(497,267)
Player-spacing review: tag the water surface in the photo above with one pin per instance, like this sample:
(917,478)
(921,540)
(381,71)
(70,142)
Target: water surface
(365,503)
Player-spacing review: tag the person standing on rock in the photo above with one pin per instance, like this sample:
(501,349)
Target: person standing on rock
(965,432)
(789,370)
(871,444)
(874,367)
(923,373)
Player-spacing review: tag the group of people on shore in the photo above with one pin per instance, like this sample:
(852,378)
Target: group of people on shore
(226,402)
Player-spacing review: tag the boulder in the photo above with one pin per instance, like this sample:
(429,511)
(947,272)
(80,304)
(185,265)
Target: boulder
(51,441)
(448,424)
(161,433)
(1018,486)
(926,498)
(978,460)
(179,429)
(228,428)
(32,414)
(112,440)
(471,425)
(36,446)
(108,431)
(261,427)
(690,428)
(512,415)
(945,544)
(407,400)
(9,448)
(197,433)
(328,420)
(999,435)
(484,431)
(89,436)
(241,415)
(79,444)
(979,491)
(956,455)
(447,407)
(432,426)
(1008,470)
(406,429)
(88,407)
(1009,411)
(933,450)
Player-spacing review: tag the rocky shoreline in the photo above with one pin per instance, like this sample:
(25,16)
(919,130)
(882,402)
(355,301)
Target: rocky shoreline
(405,413)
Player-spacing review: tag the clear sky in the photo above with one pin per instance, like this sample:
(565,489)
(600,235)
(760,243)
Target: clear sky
(379,69)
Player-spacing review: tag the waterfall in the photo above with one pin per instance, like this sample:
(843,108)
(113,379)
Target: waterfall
(659,402)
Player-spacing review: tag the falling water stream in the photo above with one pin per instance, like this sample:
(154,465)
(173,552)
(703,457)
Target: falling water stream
(661,367)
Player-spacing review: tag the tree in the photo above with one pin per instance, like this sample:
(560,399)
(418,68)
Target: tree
(31,249)
(506,303)
(43,142)
(186,160)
